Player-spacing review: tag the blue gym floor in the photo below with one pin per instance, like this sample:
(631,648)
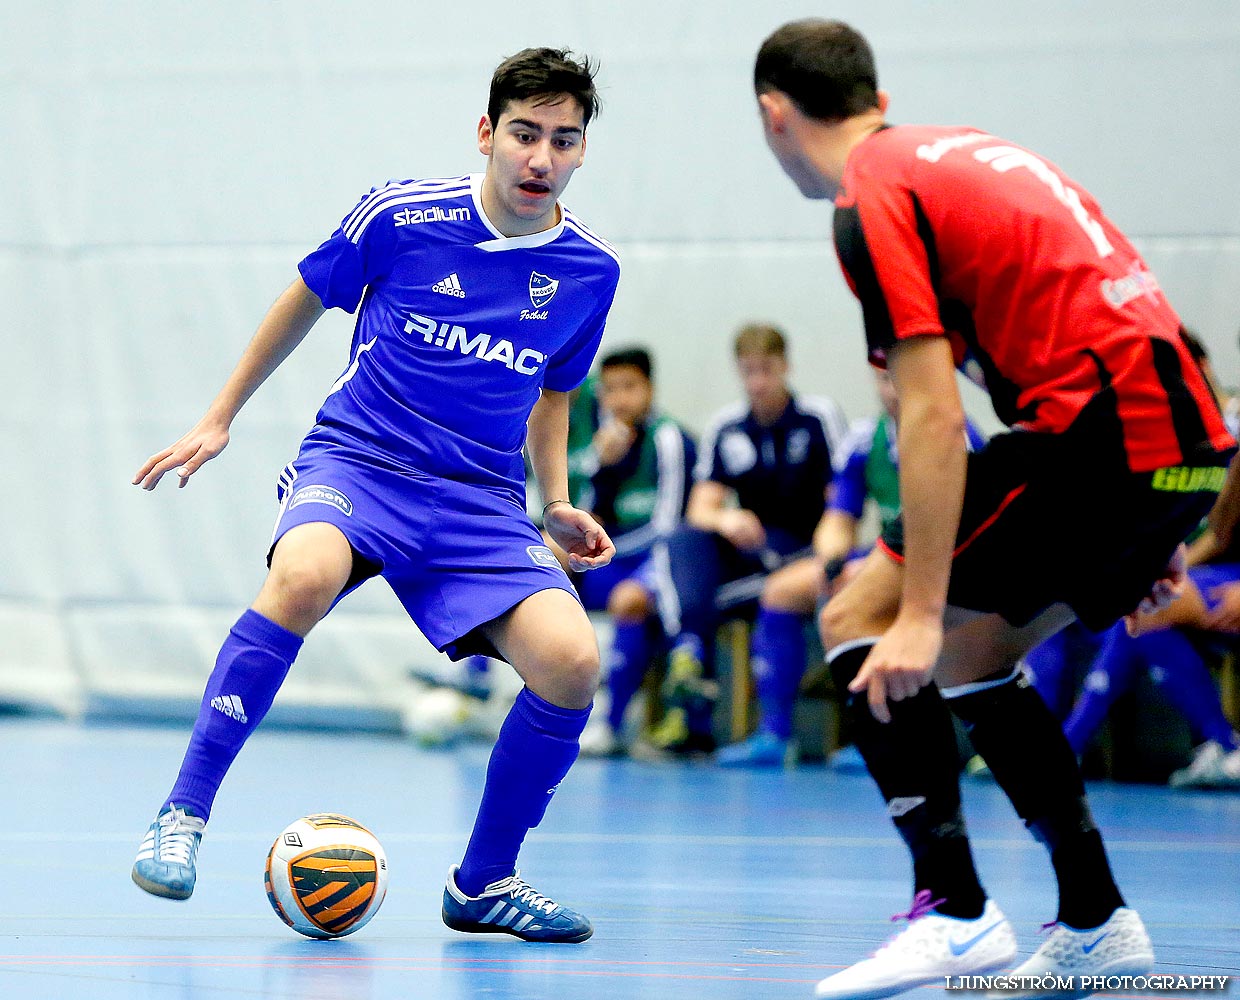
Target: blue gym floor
(701,883)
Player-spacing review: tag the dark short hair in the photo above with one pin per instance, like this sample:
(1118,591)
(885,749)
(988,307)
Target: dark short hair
(543,73)
(826,67)
(763,339)
(631,357)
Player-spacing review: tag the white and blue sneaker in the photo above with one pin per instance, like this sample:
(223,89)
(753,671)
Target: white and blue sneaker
(929,949)
(510,906)
(762,749)
(166,859)
(1119,947)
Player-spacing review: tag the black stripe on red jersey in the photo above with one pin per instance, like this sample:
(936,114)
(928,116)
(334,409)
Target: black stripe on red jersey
(957,317)
(858,264)
(1186,416)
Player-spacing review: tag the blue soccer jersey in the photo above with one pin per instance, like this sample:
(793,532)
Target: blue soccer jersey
(459,329)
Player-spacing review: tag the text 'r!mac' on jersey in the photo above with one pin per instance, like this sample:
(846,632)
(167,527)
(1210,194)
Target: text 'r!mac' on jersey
(1045,302)
(459,328)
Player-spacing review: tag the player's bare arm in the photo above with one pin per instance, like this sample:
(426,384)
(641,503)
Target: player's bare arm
(284,327)
(708,510)
(932,474)
(575,531)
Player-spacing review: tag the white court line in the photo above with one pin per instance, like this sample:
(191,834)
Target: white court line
(712,840)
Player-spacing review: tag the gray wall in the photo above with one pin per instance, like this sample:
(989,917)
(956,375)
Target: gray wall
(166,165)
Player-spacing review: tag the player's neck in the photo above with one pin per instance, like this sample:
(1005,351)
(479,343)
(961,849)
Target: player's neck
(834,142)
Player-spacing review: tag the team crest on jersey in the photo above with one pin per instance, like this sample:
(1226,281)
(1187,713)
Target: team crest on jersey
(542,289)
(737,452)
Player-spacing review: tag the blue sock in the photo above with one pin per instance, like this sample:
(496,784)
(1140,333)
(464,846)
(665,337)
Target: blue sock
(1110,676)
(1182,675)
(778,657)
(630,657)
(537,744)
(249,670)
(1050,666)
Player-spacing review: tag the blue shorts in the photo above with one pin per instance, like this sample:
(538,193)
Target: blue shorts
(596,585)
(1210,575)
(456,556)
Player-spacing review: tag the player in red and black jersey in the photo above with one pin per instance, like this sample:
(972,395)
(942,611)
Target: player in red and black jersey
(969,252)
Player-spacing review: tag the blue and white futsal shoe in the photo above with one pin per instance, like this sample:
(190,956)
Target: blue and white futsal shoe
(762,749)
(166,859)
(929,949)
(510,906)
(1119,947)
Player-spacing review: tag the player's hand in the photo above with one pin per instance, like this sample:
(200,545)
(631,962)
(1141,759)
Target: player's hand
(612,442)
(900,664)
(743,529)
(206,440)
(580,536)
(1226,615)
(1167,588)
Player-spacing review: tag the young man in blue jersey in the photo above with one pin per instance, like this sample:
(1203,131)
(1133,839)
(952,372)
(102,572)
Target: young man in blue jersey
(482,302)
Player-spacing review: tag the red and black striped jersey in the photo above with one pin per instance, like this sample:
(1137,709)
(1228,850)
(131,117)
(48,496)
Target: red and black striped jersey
(951,231)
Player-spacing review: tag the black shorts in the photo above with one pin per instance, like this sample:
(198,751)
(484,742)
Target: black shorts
(1050,518)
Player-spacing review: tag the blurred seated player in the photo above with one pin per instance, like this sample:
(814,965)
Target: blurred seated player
(1169,642)
(639,466)
(866,471)
(760,494)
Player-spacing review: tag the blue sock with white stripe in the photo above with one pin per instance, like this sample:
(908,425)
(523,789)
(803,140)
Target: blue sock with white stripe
(778,657)
(249,670)
(537,744)
(1182,675)
(630,656)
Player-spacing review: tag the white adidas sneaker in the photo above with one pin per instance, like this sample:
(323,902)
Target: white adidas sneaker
(931,948)
(1120,947)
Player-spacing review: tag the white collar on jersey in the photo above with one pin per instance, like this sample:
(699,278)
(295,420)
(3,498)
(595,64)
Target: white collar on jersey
(502,242)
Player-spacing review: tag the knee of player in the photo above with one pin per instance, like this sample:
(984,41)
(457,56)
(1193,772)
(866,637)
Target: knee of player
(837,623)
(308,587)
(629,603)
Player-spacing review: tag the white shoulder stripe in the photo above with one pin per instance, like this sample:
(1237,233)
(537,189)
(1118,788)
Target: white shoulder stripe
(398,199)
(391,186)
(706,449)
(579,223)
(592,240)
(400,187)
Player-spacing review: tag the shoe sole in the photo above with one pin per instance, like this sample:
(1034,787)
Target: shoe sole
(156,889)
(473,927)
(890,990)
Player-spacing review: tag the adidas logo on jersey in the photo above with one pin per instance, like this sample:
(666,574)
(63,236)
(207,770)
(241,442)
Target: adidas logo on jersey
(451,285)
(231,706)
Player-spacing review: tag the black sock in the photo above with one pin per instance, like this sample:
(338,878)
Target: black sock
(1030,758)
(913,760)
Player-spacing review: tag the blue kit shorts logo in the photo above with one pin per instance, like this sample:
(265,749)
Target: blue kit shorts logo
(322,494)
(543,556)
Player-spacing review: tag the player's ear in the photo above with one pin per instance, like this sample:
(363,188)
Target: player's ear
(581,153)
(884,99)
(486,136)
(773,112)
